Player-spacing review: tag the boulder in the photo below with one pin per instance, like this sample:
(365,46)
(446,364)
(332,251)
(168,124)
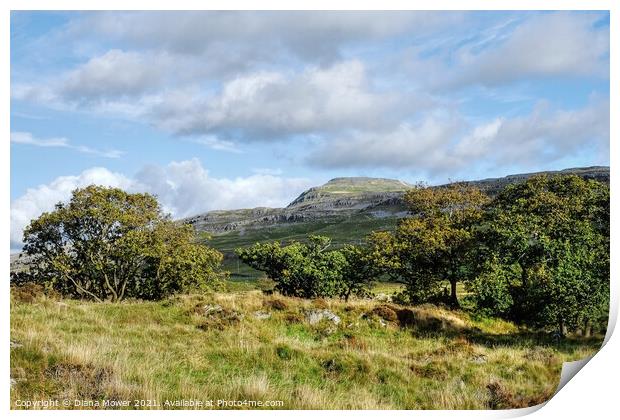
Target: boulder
(314,316)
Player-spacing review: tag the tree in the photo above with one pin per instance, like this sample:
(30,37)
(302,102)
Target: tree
(549,236)
(359,271)
(309,269)
(433,245)
(107,244)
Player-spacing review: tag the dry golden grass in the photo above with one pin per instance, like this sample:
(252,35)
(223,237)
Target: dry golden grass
(425,358)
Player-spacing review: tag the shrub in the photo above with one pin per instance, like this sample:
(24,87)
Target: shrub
(275,303)
(385,312)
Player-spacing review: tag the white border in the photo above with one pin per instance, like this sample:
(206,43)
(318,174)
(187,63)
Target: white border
(592,394)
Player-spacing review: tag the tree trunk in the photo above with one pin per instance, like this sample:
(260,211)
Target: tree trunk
(563,329)
(454,300)
(587,331)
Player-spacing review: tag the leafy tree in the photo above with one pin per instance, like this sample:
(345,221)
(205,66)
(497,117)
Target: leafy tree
(107,244)
(433,245)
(549,237)
(309,269)
(358,273)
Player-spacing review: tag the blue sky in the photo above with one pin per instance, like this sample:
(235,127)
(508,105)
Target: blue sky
(212,110)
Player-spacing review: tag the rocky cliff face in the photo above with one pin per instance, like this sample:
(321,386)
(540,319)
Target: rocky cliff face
(338,197)
(377,197)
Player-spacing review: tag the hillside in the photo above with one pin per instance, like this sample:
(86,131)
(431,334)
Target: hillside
(373,197)
(345,209)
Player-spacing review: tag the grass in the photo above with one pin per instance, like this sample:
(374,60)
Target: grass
(342,230)
(417,358)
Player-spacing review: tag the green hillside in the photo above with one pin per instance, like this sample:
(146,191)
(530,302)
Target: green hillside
(342,230)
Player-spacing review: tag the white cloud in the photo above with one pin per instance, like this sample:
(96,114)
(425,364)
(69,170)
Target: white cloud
(548,45)
(183,188)
(186,188)
(115,73)
(408,146)
(21,137)
(443,146)
(257,106)
(214,143)
(264,35)
(268,105)
(540,138)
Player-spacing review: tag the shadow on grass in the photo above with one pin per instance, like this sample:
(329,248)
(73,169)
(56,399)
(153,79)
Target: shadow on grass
(528,339)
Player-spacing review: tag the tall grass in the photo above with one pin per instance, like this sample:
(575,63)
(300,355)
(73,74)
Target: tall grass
(263,348)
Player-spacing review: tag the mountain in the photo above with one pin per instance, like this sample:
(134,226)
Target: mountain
(338,197)
(345,209)
(341,197)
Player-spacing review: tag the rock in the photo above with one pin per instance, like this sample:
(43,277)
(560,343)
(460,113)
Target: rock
(212,309)
(15,345)
(479,359)
(262,315)
(62,305)
(13,382)
(314,316)
(219,318)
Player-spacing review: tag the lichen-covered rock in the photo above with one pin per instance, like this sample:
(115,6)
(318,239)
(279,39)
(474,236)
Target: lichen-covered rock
(314,316)
(262,315)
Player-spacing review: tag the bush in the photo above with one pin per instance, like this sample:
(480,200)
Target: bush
(385,312)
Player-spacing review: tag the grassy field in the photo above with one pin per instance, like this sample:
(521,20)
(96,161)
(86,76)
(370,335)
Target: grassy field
(342,230)
(244,345)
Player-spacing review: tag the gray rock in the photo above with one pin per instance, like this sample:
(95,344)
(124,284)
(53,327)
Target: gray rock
(212,309)
(479,359)
(314,316)
(262,315)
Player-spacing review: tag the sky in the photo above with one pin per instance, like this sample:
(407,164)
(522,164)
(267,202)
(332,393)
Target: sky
(221,110)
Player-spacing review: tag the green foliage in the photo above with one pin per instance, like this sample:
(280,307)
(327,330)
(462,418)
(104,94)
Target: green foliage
(434,245)
(358,273)
(552,235)
(309,269)
(106,244)
(490,290)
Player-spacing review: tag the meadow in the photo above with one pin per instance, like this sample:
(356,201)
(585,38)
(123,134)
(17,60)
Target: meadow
(249,346)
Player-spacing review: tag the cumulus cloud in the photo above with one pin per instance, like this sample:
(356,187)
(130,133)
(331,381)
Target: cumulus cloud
(22,137)
(410,145)
(360,89)
(257,106)
(115,73)
(441,146)
(541,137)
(186,188)
(270,105)
(183,188)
